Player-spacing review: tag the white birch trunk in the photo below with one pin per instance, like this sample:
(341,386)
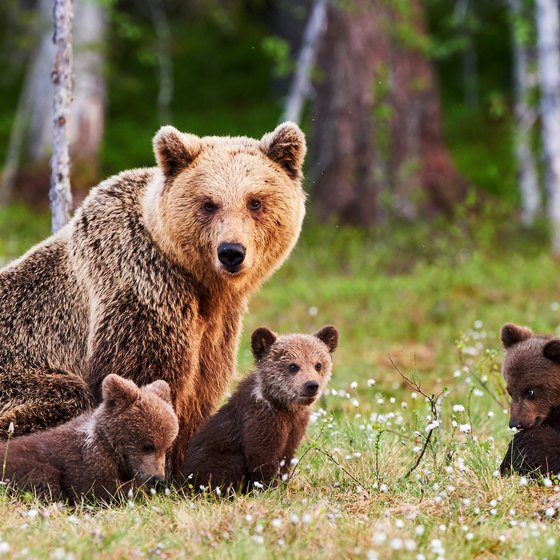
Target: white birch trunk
(60,193)
(548,29)
(88,110)
(524,119)
(300,86)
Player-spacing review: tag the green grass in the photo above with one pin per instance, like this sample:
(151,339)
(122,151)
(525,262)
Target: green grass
(433,298)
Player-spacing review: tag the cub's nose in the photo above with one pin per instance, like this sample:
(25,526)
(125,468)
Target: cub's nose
(515,424)
(311,388)
(156,479)
(231,255)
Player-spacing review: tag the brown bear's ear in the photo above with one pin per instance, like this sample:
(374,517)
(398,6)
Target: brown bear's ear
(286,146)
(174,150)
(328,335)
(161,389)
(512,334)
(118,390)
(261,341)
(551,350)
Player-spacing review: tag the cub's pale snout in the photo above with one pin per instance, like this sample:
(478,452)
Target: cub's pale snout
(231,255)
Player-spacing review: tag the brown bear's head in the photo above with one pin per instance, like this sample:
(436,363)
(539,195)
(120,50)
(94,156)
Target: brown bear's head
(140,425)
(230,209)
(293,369)
(531,370)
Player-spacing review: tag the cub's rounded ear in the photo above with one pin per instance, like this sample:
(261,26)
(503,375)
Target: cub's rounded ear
(328,335)
(174,150)
(551,350)
(261,341)
(286,146)
(117,390)
(161,389)
(512,334)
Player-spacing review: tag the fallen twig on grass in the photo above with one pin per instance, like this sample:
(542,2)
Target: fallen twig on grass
(433,400)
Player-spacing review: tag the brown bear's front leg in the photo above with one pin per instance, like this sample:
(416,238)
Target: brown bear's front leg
(34,399)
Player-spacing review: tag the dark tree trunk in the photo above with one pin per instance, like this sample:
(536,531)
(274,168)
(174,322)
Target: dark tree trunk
(422,174)
(343,155)
(377,127)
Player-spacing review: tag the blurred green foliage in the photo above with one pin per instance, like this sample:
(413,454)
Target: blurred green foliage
(225,55)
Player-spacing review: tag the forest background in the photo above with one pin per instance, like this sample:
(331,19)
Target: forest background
(431,221)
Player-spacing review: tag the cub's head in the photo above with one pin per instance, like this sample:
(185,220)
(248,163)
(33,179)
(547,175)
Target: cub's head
(293,369)
(140,424)
(531,370)
(229,208)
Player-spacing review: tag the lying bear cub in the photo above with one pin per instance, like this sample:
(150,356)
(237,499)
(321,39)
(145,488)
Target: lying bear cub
(251,440)
(531,370)
(118,446)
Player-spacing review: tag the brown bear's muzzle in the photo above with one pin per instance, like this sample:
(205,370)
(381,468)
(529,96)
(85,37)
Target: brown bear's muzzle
(231,255)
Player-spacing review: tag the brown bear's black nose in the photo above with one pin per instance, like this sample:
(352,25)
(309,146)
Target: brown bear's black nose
(231,255)
(515,424)
(311,388)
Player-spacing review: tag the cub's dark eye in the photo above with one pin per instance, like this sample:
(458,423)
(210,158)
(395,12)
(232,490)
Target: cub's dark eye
(210,207)
(254,204)
(530,393)
(293,368)
(318,366)
(148,447)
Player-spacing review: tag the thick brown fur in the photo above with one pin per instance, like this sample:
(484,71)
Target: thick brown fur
(535,451)
(531,370)
(135,285)
(253,437)
(120,445)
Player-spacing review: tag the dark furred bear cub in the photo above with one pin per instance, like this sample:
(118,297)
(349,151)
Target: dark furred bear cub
(252,439)
(532,372)
(535,451)
(119,445)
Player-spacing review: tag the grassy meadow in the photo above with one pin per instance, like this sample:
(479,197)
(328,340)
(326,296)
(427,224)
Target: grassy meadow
(423,302)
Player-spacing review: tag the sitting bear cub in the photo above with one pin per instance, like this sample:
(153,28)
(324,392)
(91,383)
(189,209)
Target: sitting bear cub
(120,444)
(531,370)
(252,439)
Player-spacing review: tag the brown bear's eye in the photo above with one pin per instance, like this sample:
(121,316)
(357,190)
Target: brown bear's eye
(530,393)
(254,204)
(318,366)
(293,368)
(210,207)
(148,447)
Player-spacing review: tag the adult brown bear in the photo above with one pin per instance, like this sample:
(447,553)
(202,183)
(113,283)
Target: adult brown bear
(150,279)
